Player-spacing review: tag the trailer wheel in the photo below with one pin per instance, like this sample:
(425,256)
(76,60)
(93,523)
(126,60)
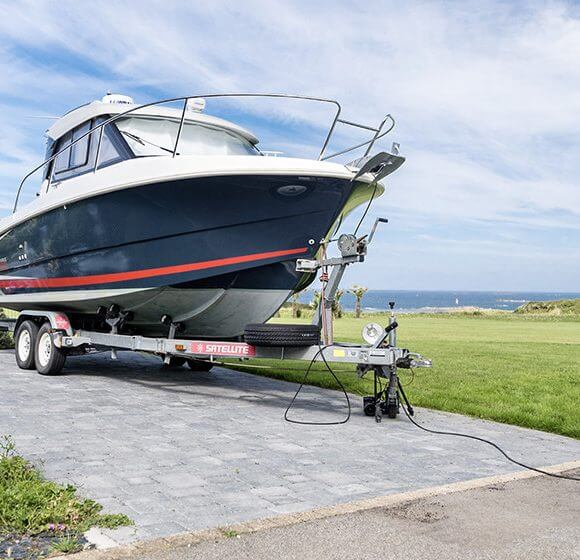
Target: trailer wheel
(282,335)
(199,365)
(25,343)
(49,359)
(174,362)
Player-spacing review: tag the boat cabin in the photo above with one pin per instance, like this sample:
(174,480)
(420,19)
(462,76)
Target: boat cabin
(144,132)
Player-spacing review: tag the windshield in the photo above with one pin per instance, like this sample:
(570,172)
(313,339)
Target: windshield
(153,137)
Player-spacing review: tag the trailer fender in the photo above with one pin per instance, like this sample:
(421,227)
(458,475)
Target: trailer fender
(58,321)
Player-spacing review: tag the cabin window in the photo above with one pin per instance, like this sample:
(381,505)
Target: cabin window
(111,151)
(79,153)
(62,160)
(76,155)
(156,137)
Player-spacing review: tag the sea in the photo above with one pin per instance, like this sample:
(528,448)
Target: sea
(409,301)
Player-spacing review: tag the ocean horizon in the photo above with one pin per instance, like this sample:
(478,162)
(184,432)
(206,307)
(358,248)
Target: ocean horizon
(417,300)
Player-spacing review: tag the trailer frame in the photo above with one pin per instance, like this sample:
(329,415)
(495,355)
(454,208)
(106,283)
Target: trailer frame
(381,355)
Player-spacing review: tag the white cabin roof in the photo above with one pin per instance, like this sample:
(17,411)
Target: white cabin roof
(97,108)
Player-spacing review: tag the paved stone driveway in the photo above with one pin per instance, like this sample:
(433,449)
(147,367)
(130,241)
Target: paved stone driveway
(177,450)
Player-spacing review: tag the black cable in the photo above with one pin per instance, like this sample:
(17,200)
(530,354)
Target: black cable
(366,209)
(414,422)
(305,423)
(495,445)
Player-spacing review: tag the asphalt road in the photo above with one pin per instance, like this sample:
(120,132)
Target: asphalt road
(537,518)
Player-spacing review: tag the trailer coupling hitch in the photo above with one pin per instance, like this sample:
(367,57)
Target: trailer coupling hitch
(414,360)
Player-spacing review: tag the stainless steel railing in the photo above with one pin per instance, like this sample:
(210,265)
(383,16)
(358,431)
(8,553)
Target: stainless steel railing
(378,131)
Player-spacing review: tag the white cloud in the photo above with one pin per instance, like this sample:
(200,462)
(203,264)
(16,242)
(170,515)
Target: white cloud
(485,93)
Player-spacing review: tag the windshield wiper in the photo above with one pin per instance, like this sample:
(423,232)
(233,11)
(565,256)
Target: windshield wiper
(142,141)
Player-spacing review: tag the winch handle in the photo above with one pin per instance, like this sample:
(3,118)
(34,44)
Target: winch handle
(375,225)
(391,327)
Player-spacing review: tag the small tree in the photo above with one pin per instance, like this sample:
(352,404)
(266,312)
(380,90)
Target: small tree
(315,300)
(358,292)
(294,299)
(336,307)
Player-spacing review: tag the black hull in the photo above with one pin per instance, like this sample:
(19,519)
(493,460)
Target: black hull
(217,233)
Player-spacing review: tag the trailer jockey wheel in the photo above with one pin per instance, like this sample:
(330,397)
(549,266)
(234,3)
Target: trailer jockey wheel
(49,359)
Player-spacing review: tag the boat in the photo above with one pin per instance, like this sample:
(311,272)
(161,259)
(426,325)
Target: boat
(169,212)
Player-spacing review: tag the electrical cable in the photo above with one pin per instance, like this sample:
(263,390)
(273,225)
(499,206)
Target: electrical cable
(366,209)
(410,382)
(495,445)
(306,423)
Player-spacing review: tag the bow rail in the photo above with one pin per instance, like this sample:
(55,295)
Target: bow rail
(99,128)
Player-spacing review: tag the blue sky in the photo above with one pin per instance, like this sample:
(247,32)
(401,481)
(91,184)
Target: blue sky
(485,94)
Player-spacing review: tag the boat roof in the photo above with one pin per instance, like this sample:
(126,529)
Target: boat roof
(95,109)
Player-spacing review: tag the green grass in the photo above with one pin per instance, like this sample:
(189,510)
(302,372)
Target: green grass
(517,369)
(30,504)
(229,533)
(67,545)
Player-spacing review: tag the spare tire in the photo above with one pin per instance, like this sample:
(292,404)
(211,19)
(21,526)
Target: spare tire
(259,334)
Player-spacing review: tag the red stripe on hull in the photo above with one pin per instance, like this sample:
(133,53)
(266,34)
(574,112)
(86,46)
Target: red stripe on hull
(73,281)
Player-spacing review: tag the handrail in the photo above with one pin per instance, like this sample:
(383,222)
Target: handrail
(185,99)
(378,135)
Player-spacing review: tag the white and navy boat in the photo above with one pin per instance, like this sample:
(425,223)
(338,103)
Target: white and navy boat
(170,211)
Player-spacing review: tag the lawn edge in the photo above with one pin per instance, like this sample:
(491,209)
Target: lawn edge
(219,533)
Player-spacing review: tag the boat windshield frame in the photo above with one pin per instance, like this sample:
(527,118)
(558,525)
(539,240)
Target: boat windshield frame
(377,131)
(248,147)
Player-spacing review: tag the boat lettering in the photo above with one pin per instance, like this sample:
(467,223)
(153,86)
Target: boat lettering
(223,348)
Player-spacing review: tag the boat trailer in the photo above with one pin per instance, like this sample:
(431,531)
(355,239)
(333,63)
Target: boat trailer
(380,356)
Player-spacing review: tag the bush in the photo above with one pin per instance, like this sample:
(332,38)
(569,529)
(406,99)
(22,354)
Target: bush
(6,339)
(559,307)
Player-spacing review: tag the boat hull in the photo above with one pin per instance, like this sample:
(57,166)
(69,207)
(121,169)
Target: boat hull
(215,252)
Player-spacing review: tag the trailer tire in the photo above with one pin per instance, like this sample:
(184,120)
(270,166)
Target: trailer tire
(174,362)
(282,335)
(49,359)
(25,344)
(392,410)
(199,365)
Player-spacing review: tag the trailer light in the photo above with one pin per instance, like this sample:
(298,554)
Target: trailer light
(61,321)
(372,332)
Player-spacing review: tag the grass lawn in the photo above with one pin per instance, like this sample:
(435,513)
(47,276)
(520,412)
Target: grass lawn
(518,369)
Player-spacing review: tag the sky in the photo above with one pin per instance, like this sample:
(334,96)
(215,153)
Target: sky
(486,97)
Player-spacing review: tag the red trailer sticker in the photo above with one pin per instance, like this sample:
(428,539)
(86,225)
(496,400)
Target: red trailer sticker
(223,348)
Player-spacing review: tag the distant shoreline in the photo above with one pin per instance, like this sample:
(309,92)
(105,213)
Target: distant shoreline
(431,310)
(552,307)
(408,301)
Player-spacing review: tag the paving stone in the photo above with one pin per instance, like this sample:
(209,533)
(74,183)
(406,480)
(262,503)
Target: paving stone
(296,478)
(271,491)
(177,451)
(163,529)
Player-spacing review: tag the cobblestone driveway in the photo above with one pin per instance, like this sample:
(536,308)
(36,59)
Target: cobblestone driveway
(177,450)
